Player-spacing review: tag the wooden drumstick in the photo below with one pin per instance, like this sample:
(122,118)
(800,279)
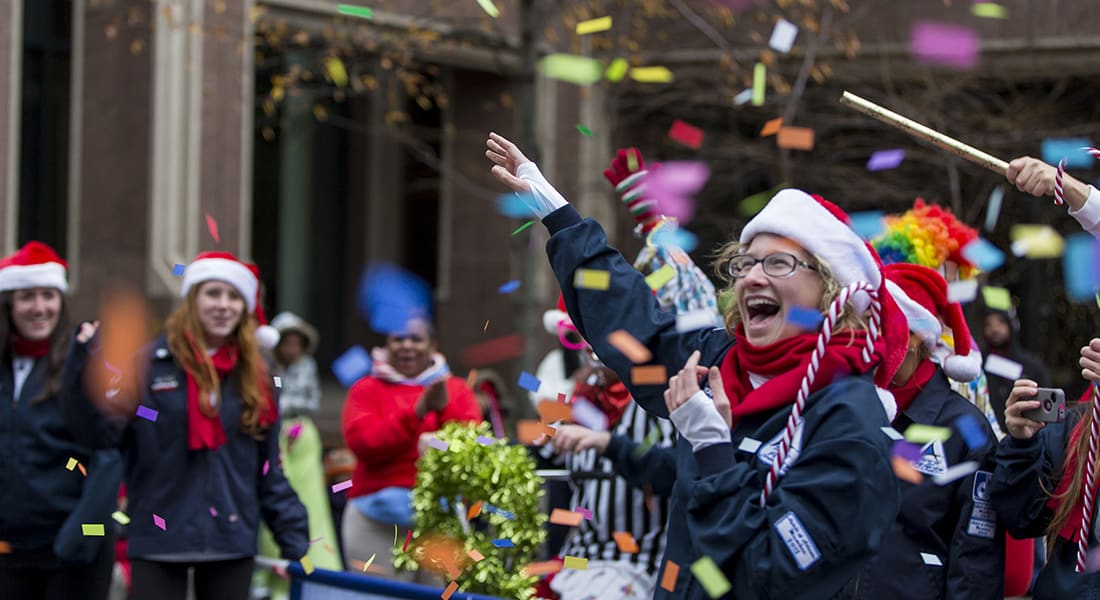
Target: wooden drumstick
(916,129)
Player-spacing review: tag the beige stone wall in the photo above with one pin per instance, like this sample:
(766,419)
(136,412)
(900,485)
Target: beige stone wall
(8,126)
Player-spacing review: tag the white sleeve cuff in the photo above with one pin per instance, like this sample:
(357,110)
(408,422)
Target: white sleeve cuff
(699,422)
(1089,215)
(543,199)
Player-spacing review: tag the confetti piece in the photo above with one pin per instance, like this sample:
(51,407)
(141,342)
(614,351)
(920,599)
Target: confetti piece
(212,227)
(551,411)
(617,70)
(408,538)
(452,587)
(1055,149)
(83,471)
(509,287)
(993,211)
(944,44)
(668,578)
(759,80)
(120,517)
(659,278)
(984,254)
(529,431)
(159,522)
(575,562)
(626,542)
(92,529)
(438,444)
(485,328)
(336,71)
(649,375)
(538,569)
(743,96)
(997,298)
(391,296)
(529,382)
(650,439)
(651,74)
(587,514)
(503,543)
(884,160)
(923,434)
(474,511)
(178,269)
(352,365)
(868,224)
(515,205)
(676,238)
(475,555)
(369,562)
(593,25)
(267,467)
(905,471)
(307,565)
(892,433)
(962,291)
(560,516)
(632,159)
(931,559)
(1036,241)
(1079,266)
(955,473)
(807,319)
(988,10)
(523,227)
(629,346)
(71,464)
(579,70)
(484,440)
(395,535)
(5,547)
(584,130)
(213,512)
(783,36)
(711,577)
(146,413)
(687,134)
(772,127)
(907,450)
(591,279)
(339,487)
(493,351)
(695,320)
(795,138)
(489,508)
(1002,367)
(672,186)
(354,11)
(489,8)
(279,384)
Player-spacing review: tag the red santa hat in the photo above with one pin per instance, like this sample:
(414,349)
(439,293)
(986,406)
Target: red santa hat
(922,294)
(824,230)
(245,277)
(32,266)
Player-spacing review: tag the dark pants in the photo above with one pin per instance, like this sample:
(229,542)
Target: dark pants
(215,580)
(39,575)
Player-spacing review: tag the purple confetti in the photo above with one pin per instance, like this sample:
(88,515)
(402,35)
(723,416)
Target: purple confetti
(672,186)
(339,487)
(159,522)
(213,512)
(484,440)
(907,450)
(267,465)
(944,44)
(584,511)
(147,413)
(885,159)
(438,444)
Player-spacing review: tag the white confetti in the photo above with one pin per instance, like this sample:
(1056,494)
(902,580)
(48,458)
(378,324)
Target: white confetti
(1002,367)
(783,36)
(962,291)
(956,472)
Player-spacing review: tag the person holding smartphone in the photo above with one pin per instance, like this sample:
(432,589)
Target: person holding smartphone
(1038,485)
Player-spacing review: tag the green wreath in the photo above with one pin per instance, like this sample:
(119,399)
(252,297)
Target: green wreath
(502,477)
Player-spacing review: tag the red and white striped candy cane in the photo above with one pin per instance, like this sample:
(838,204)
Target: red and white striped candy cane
(1093,151)
(795,418)
(1059,192)
(1085,529)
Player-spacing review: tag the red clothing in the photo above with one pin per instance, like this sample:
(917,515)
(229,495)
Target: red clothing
(382,429)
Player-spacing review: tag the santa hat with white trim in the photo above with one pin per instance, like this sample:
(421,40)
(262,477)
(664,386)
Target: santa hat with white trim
(223,266)
(32,266)
(922,294)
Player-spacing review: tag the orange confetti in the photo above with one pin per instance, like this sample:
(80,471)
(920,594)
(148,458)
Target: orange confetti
(650,375)
(538,569)
(451,589)
(122,334)
(626,542)
(629,346)
(772,127)
(796,138)
(560,516)
(83,471)
(550,411)
(475,555)
(529,431)
(5,548)
(905,470)
(474,511)
(668,580)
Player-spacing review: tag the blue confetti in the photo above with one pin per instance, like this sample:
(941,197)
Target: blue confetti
(516,206)
(390,297)
(529,382)
(504,543)
(907,450)
(1079,264)
(675,236)
(1055,149)
(509,287)
(178,269)
(352,365)
(804,318)
(489,508)
(971,431)
(983,253)
(885,159)
(868,224)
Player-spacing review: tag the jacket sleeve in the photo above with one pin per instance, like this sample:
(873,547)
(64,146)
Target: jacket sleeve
(976,565)
(87,424)
(376,429)
(823,521)
(1089,215)
(656,468)
(284,514)
(1023,477)
(628,304)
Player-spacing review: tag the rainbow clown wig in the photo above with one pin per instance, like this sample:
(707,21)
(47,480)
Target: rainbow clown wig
(927,235)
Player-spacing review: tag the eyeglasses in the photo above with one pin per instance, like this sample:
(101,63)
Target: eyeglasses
(780,264)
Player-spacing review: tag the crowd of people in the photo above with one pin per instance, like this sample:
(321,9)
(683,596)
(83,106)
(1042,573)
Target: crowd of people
(828,432)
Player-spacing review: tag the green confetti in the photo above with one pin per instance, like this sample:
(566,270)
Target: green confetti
(922,434)
(121,517)
(584,130)
(580,70)
(759,77)
(524,226)
(989,10)
(711,577)
(351,10)
(997,298)
(92,529)
(660,277)
(489,8)
(651,438)
(617,70)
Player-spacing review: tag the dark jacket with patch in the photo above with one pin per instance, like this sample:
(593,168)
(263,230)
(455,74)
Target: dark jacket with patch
(953,525)
(1027,472)
(211,501)
(828,514)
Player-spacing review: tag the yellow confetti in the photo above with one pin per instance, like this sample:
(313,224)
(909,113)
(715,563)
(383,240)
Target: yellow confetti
(92,529)
(711,577)
(575,562)
(369,562)
(759,76)
(307,565)
(121,517)
(335,68)
(922,434)
(997,298)
(659,278)
(593,25)
(617,70)
(1036,241)
(651,74)
(489,8)
(71,464)
(591,279)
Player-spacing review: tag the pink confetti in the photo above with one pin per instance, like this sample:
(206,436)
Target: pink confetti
(294,431)
(584,511)
(672,186)
(339,487)
(267,465)
(944,44)
(212,225)
(213,512)
(159,522)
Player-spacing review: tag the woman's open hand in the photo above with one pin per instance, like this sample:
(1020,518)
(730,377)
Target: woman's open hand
(506,159)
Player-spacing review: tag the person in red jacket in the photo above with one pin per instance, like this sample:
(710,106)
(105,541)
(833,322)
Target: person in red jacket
(409,394)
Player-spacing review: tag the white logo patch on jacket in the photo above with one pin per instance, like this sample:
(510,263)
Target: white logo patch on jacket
(932,459)
(769,449)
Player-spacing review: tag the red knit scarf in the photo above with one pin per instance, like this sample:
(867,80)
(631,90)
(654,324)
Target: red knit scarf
(204,425)
(33,349)
(785,363)
(1071,528)
(905,394)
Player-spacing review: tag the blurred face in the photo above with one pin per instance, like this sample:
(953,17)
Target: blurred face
(35,312)
(411,351)
(764,299)
(220,308)
(997,331)
(291,347)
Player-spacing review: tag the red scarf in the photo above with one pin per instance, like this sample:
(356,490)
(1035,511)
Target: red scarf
(1071,529)
(204,424)
(611,399)
(35,349)
(785,363)
(905,394)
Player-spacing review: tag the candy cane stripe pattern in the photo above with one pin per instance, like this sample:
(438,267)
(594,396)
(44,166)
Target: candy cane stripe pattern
(1059,193)
(795,418)
(1090,483)
(1093,151)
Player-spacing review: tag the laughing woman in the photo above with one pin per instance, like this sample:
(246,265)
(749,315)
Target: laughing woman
(836,494)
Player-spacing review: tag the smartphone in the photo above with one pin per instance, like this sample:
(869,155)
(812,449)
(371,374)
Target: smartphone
(1052,406)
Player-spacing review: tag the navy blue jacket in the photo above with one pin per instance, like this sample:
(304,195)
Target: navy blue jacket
(1027,472)
(955,523)
(830,511)
(211,500)
(37,493)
